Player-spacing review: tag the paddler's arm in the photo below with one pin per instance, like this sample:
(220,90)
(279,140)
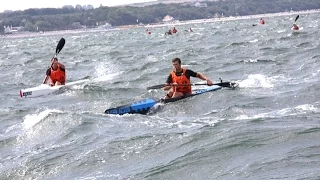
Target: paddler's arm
(47,76)
(168,83)
(201,76)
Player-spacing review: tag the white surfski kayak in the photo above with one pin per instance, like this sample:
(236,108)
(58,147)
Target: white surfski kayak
(45,89)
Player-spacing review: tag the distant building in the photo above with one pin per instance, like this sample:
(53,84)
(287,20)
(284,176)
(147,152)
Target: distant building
(11,30)
(167,18)
(200,4)
(107,26)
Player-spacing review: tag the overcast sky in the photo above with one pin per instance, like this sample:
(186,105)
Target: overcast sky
(26,4)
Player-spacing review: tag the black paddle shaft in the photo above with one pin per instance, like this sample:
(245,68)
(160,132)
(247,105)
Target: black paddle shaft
(222,84)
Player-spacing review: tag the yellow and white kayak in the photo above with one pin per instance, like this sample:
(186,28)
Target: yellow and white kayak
(45,89)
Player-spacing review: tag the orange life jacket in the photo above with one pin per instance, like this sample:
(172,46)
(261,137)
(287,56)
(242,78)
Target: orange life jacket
(58,75)
(262,22)
(181,80)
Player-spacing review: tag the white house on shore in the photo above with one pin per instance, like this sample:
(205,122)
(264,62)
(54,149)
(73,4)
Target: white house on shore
(11,30)
(168,18)
(200,4)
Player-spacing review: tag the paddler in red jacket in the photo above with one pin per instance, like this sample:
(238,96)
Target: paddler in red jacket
(174,30)
(56,73)
(180,76)
(295,27)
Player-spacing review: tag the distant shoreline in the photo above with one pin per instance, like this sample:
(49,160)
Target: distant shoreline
(63,32)
(51,33)
(256,16)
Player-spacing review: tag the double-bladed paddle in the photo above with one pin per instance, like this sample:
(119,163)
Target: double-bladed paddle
(296,19)
(222,84)
(58,49)
(60,46)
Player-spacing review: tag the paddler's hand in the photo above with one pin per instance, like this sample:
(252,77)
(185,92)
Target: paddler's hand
(166,87)
(53,60)
(174,86)
(209,82)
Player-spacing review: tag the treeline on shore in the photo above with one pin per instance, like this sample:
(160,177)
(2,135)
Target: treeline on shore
(49,19)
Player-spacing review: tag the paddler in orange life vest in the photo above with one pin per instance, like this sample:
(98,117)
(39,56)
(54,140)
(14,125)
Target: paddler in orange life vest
(56,73)
(262,21)
(180,76)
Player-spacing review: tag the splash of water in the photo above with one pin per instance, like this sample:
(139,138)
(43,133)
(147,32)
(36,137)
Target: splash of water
(257,81)
(31,120)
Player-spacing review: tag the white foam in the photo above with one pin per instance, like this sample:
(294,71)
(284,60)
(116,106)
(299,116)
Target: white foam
(255,40)
(271,114)
(32,119)
(256,81)
(250,60)
(301,109)
(316,73)
(281,31)
(103,74)
(4,110)
(306,107)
